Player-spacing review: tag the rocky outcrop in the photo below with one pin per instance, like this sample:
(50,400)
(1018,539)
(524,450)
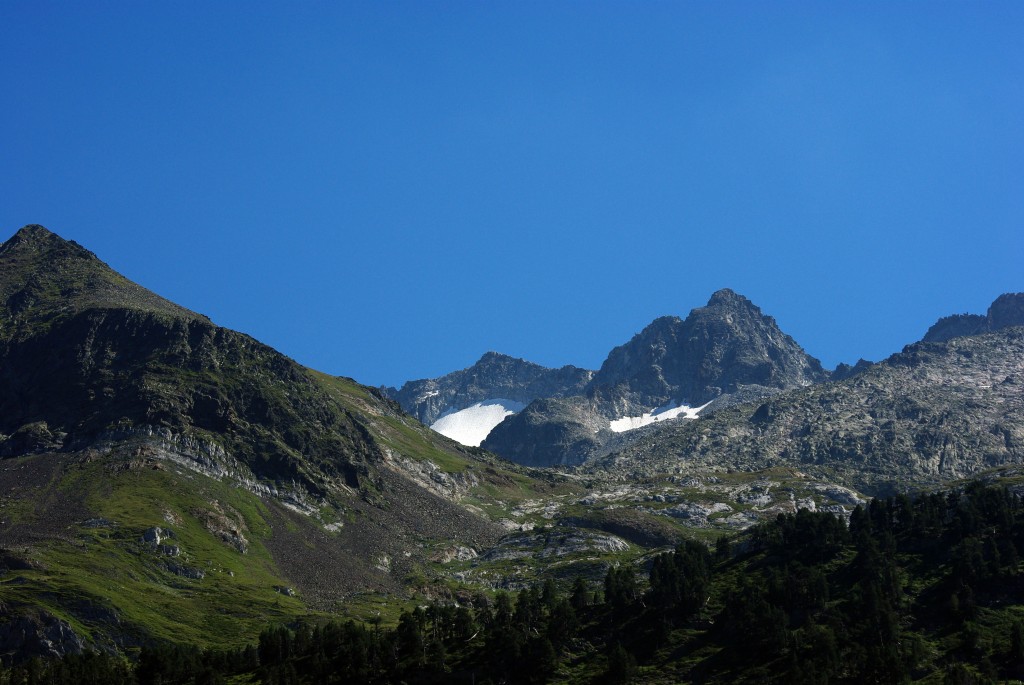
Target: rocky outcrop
(722,354)
(1007,310)
(955,326)
(550,432)
(932,413)
(27,633)
(493,376)
(844,371)
(718,349)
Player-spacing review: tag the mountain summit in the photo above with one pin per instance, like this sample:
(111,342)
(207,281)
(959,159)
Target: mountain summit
(123,409)
(466,405)
(1007,310)
(43,276)
(493,376)
(726,351)
(721,348)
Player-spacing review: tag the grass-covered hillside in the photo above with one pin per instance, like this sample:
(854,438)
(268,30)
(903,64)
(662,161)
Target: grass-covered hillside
(923,589)
(168,479)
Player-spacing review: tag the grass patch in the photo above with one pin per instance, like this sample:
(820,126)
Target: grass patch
(109,567)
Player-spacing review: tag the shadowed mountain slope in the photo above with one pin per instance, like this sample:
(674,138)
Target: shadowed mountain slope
(123,414)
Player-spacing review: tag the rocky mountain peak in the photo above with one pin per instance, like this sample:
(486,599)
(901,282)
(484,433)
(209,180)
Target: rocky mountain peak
(726,297)
(725,352)
(717,349)
(31,233)
(42,275)
(493,376)
(37,241)
(1007,310)
(497,362)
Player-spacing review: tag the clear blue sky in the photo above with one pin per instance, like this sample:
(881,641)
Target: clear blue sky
(387,190)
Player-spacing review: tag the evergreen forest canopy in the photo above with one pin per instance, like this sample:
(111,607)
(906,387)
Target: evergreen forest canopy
(913,589)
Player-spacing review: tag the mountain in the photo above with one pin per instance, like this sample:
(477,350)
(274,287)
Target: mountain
(914,589)
(719,349)
(465,405)
(86,355)
(166,478)
(550,432)
(935,412)
(1007,310)
(723,353)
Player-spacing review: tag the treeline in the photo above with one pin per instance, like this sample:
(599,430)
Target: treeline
(911,588)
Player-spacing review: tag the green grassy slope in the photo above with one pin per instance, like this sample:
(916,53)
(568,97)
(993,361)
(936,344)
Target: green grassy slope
(121,412)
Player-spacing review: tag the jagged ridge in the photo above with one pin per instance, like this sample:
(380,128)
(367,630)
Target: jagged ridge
(493,376)
(934,412)
(725,349)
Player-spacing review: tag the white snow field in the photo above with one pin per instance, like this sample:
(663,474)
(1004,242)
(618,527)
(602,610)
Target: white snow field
(471,425)
(669,411)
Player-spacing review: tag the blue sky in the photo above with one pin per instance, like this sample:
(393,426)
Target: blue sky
(386,190)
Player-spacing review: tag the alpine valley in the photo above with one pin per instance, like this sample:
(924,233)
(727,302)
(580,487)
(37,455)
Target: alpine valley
(180,503)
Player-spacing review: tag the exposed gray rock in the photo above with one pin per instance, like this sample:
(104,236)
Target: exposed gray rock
(695,514)
(494,376)
(955,326)
(428,475)
(555,543)
(455,553)
(1007,310)
(185,571)
(718,349)
(934,412)
(725,353)
(844,371)
(156,535)
(227,524)
(550,432)
(98,523)
(36,633)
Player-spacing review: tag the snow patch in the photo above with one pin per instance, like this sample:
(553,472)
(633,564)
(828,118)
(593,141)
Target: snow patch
(669,411)
(471,425)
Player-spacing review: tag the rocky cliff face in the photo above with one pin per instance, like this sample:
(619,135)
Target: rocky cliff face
(934,412)
(550,432)
(494,376)
(723,353)
(718,349)
(1007,310)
